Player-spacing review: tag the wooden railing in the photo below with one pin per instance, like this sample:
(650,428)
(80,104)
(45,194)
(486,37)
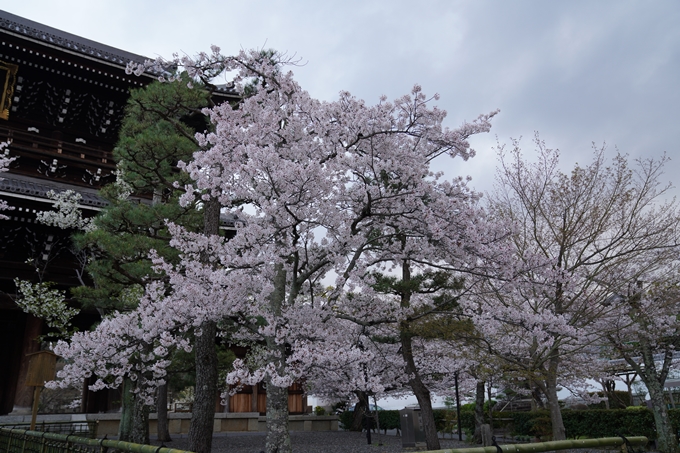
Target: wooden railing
(32,142)
(85,428)
(555,445)
(22,441)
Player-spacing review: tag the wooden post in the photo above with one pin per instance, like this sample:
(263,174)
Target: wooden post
(36,401)
(253,399)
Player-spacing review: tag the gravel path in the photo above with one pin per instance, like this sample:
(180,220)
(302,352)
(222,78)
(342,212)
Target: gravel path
(309,442)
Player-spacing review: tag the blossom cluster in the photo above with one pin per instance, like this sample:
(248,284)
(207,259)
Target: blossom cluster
(44,302)
(133,344)
(67,213)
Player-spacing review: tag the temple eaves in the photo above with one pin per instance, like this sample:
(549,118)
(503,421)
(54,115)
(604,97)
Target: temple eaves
(10,23)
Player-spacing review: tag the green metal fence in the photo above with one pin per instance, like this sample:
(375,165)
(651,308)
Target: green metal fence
(23,441)
(605,442)
(80,428)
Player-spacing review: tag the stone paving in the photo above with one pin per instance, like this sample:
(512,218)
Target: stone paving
(310,442)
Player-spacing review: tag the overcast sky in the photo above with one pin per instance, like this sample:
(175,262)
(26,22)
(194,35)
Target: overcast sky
(576,71)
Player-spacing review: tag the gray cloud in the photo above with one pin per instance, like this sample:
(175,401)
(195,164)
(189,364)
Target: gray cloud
(577,71)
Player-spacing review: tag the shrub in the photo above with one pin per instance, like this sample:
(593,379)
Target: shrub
(389,420)
(346,419)
(590,423)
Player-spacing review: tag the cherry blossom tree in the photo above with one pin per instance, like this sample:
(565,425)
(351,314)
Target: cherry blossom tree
(326,189)
(575,234)
(66,213)
(643,329)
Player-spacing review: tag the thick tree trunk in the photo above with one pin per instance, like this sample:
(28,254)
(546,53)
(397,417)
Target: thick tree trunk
(203,414)
(162,413)
(140,422)
(278,438)
(420,390)
(558,431)
(479,412)
(424,401)
(423,396)
(134,419)
(536,397)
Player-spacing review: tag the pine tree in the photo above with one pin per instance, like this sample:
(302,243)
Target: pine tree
(157,132)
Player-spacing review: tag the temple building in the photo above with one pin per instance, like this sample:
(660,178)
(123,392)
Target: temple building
(62,103)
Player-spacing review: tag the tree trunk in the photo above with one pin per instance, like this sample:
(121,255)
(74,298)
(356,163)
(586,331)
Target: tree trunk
(536,397)
(360,409)
(558,430)
(162,413)
(134,418)
(654,379)
(665,437)
(490,406)
(140,422)
(479,412)
(126,411)
(424,401)
(203,414)
(605,384)
(278,438)
(420,390)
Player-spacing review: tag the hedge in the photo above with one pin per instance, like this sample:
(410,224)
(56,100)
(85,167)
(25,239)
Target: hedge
(577,423)
(444,420)
(589,423)
(388,420)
